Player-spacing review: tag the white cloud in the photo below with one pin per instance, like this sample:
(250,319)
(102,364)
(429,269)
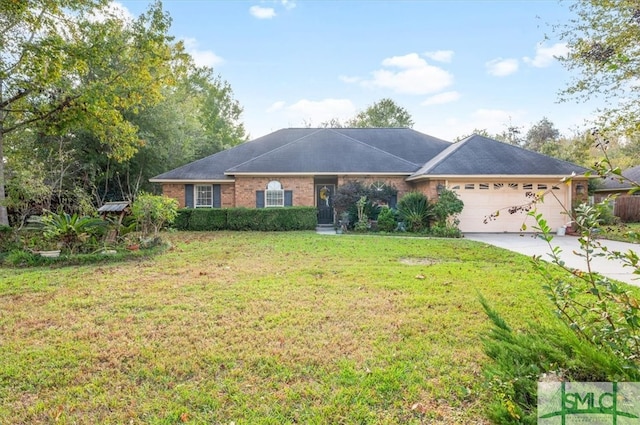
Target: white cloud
(412,76)
(440,55)
(546,56)
(502,67)
(277,106)
(201,57)
(441,98)
(412,60)
(288,4)
(262,12)
(314,112)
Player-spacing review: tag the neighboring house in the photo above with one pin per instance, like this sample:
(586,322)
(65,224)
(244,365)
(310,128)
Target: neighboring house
(616,185)
(625,205)
(303,167)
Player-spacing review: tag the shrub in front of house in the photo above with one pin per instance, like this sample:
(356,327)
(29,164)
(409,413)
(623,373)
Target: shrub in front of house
(182,219)
(387,220)
(272,219)
(260,219)
(208,219)
(416,211)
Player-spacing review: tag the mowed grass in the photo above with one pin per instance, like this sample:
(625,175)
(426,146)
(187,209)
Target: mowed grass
(261,328)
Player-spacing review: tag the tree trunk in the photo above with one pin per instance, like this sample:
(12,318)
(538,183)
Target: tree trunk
(4,216)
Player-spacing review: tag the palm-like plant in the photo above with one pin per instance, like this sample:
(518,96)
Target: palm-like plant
(70,230)
(416,211)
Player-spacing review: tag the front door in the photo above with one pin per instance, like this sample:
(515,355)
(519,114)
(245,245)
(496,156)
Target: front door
(324,201)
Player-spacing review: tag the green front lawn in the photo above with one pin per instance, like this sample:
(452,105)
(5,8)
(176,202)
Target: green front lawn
(624,232)
(258,328)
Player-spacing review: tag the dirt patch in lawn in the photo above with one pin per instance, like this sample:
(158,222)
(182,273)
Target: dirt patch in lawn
(419,261)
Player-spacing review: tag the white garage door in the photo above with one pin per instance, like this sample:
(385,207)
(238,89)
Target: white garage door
(481,200)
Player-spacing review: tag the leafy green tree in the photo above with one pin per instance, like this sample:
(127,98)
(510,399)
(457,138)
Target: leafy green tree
(66,64)
(512,134)
(543,137)
(479,131)
(602,42)
(153,212)
(382,114)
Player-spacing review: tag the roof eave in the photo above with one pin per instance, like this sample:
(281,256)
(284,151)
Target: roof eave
(182,181)
(321,173)
(493,176)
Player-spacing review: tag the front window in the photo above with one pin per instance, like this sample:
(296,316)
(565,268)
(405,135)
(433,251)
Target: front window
(204,196)
(274,195)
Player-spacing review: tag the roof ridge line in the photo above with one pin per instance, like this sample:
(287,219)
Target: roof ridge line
(274,150)
(433,162)
(371,147)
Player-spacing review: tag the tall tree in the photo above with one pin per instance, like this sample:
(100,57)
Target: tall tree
(479,131)
(384,113)
(512,134)
(542,136)
(603,42)
(66,64)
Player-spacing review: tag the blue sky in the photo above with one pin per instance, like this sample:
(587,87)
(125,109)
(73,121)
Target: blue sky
(454,65)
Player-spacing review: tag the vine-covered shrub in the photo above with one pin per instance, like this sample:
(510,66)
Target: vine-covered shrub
(447,208)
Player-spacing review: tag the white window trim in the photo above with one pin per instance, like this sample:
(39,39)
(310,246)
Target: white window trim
(279,194)
(195,196)
(267,198)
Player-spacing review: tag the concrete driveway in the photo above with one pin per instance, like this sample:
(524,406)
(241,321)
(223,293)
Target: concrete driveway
(530,245)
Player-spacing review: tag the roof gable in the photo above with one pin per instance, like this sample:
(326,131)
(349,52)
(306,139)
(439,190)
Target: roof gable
(479,155)
(317,150)
(327,151)
(213,167)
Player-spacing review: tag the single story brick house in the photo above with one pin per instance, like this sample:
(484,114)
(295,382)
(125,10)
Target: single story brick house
(304,166)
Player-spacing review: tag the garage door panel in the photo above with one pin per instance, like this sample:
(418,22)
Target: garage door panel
(482,200)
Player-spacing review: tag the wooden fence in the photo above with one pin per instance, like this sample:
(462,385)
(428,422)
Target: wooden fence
(628,208)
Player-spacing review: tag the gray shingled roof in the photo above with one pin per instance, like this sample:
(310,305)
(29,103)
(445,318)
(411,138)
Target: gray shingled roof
(614,183)
(213,167)
(479,155)
(325,150)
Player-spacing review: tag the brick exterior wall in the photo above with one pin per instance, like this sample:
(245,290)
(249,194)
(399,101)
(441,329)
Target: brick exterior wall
(228,194)
(302,187)
(175,191)
(397,181)
(243,192)
(429,188)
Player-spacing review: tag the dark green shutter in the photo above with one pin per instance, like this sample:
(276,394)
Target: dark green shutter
(259,198)
(188,195)
(217,198)
(288,198)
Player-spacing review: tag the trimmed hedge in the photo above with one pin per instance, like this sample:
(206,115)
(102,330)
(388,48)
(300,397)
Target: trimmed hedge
(261,219)
(208,219)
